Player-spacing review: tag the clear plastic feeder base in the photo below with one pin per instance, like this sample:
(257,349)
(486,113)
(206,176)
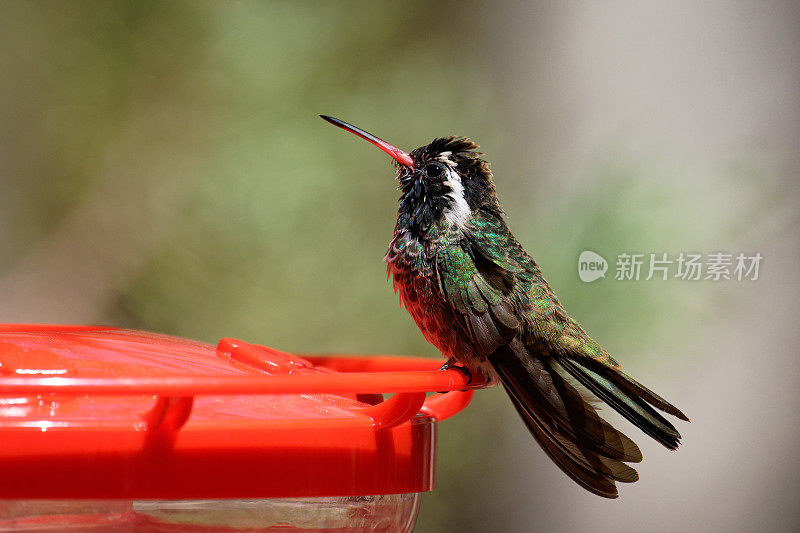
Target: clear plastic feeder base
(352,514)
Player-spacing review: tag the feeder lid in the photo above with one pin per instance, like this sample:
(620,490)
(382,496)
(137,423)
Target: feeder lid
(98,412)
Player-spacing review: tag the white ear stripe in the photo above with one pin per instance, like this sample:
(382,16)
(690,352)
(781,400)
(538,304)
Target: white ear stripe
(458,212)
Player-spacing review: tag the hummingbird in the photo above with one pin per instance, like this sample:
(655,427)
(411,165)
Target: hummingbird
(479,298)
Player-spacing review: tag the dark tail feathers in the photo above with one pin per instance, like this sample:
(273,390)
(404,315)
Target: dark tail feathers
(577,439)
(627,396)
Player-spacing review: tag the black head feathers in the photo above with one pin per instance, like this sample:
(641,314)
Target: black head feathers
(476,178)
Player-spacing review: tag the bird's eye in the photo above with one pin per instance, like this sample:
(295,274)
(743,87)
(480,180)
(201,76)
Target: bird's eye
(433,170)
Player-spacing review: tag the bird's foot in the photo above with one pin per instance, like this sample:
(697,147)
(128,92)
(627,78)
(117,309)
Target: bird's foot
(451,363)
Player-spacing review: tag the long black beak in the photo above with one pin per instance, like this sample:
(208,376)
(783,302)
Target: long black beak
(396,153)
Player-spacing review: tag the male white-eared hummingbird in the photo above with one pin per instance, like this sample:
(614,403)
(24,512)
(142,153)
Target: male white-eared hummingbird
(480,299)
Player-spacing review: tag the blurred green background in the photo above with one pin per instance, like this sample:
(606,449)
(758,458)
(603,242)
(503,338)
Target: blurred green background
(162,167)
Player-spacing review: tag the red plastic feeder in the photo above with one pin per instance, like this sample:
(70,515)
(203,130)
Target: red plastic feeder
(105,428)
